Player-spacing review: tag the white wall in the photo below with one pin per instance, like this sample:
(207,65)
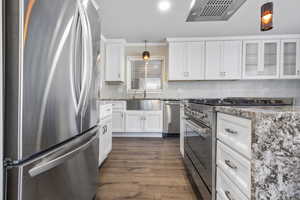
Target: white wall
(209,89)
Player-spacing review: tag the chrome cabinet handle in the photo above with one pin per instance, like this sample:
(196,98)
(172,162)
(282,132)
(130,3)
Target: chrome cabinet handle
(230,164)
(228,195)
(228,130)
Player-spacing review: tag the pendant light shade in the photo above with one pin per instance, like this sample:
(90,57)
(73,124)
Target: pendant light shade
(267,16)
(146,54)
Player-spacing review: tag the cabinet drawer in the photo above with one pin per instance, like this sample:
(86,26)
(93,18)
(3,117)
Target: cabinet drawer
(118,105)
(226,189)
(236,167)
(235,132)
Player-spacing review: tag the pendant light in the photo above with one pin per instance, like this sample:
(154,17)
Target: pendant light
(146,54)
(267,16)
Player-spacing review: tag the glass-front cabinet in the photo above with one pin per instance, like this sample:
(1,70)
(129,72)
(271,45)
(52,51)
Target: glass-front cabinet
(261,59)
(290,61)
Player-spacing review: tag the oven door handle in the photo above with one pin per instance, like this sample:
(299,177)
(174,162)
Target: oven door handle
(197,128)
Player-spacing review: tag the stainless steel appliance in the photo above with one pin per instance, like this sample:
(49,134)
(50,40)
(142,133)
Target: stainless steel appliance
(171,118)
(200,137)
(51,132)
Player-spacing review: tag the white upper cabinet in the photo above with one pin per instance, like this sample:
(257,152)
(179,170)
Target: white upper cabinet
(223,60)
(232,59)
(186,61)
(115,60)
(177,61)
(290,59)
(261,59)
(195,60)
(213,60)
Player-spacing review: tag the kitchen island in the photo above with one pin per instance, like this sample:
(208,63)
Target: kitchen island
(273,156)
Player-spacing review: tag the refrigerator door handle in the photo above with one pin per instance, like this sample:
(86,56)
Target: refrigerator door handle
(87,57)
(9,164)
(43,167)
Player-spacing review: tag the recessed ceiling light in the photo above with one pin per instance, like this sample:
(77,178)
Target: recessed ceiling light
(164,5)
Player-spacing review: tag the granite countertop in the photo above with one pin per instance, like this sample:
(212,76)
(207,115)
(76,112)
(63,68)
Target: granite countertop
(275,147)
(251,111)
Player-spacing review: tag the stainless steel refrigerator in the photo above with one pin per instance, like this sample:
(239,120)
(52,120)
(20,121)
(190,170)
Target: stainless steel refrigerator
(52,49)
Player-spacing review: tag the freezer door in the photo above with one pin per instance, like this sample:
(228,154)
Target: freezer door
(51,86)
(69,172)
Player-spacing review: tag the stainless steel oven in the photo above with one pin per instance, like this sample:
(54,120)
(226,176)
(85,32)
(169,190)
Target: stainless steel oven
(198,155)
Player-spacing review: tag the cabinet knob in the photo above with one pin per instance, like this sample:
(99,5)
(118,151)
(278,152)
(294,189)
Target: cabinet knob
(298,72)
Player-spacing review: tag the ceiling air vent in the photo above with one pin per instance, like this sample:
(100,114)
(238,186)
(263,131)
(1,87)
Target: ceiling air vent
(213,10)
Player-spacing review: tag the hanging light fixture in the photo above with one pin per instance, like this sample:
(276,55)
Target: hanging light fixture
(267,16)
(146,54)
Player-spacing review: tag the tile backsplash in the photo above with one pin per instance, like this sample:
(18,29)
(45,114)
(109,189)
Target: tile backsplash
(217,89)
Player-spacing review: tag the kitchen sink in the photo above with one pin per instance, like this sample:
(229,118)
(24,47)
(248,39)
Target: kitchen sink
(148,105)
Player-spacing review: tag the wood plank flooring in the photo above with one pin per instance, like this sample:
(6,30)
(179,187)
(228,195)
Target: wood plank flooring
(144,169)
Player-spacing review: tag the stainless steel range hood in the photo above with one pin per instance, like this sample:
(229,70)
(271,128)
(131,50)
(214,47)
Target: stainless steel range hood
(213,10)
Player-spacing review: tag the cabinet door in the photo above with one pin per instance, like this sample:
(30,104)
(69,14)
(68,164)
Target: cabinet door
(261,59)
(134,121)
(153,121)
(195,61)
(213,60)
(232,57)
(177,69)
(118,121)
(114,67)
(252,58)
(271,57)
(290,66)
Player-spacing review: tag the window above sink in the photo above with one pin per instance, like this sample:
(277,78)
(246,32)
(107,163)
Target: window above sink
(145,75)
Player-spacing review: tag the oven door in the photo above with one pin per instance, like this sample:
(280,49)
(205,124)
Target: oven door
(198,147)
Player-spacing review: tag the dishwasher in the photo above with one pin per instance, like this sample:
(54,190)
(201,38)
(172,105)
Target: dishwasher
(171,118)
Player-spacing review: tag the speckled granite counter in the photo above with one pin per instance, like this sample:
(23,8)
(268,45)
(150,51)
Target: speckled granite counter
(275,171)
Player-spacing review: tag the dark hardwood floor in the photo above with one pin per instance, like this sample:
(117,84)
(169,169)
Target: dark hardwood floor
(144,169)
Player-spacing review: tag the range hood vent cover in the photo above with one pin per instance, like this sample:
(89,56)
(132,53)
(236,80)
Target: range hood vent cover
(214,10)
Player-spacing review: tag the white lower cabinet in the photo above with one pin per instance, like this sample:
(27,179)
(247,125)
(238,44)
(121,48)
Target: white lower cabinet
(134,121)
(105,140)
(144,121)
(233,157)
(118,121)
(153,121)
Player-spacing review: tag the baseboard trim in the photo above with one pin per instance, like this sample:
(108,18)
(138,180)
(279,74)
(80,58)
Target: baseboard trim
(150,135)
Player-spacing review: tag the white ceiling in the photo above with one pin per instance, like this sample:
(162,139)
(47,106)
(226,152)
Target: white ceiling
(139,20)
